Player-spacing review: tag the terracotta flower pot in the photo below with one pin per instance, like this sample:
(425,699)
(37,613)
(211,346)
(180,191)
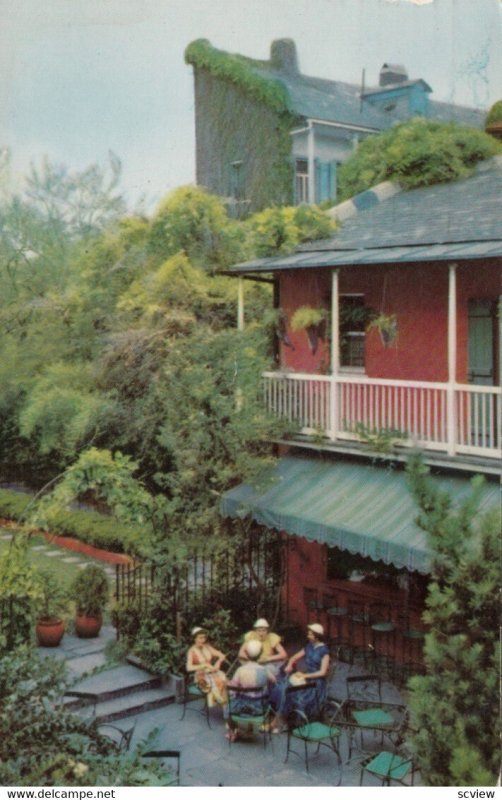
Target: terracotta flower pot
(88,627)
(49,632)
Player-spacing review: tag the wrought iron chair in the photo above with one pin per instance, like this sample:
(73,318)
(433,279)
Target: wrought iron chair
(169,755)
(249,712)
(193,698)
(121,737)
(389,768)
(359,634)
(364,711)
(312,728)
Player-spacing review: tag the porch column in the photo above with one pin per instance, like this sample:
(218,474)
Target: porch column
(335,353)
(311,162)
(240,304)
(451,415)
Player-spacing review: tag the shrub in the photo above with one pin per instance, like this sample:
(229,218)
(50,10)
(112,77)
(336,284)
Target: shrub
(91,590)
(90,527)
(43,744)
(419,152)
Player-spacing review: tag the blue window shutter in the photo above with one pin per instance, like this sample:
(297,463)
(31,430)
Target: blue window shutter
(318,181)
(332,181)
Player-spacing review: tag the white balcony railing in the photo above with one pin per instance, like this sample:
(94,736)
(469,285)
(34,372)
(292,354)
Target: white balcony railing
(463,419)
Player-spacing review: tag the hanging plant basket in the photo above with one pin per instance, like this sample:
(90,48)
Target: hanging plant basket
(386,325)
(313,322)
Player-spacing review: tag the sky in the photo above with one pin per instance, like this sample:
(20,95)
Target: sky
(81,77)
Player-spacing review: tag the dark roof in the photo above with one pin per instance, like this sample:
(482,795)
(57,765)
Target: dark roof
(330,101)
(458,220)
(336,101)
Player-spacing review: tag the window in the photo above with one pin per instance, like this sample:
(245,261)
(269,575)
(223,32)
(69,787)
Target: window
(301,181)
(353,320)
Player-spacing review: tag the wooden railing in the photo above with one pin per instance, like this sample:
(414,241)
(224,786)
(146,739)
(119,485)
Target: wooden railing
(461,419)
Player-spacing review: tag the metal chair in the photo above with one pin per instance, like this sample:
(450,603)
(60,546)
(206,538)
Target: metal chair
(121,737)
(172,755)
(389,767)
(249,710)
(310,729)
(365,711)
(193,695)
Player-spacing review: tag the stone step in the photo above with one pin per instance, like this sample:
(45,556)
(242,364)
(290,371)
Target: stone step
(116,682)
(132,704)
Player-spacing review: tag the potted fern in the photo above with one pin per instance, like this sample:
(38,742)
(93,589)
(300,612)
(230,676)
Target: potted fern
(50,625)
(91,594)
(386,325)
(311,320)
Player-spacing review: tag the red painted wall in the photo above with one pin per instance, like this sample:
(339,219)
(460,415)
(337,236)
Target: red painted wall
(417,294)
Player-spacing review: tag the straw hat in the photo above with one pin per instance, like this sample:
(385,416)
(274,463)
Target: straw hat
(316,628)
(261,623)
(197,630)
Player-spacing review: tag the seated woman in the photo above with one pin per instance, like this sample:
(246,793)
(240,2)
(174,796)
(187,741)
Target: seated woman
(317,663)
(273,653)
(205,661)
(251,675)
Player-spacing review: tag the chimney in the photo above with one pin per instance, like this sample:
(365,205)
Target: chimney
(391,74)
(283,56)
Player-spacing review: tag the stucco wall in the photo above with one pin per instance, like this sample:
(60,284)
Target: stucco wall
(418,294)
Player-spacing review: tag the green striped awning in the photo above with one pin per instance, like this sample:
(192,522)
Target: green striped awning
(360,508)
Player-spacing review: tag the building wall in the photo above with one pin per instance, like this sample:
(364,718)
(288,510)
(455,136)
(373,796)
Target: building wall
(232,126)
(417,294)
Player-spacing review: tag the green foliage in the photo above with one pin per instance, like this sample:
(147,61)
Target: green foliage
(307,317)
(194,222)
(419,152)
(99,530)
(238,70)
(494,114)
(62,412)
(53,601)
(280,230)
(91,591)
(105,477)
(20,593)
(43,744)
(381,440)
(455,706)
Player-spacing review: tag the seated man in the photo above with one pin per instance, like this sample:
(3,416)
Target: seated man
(273,653)
(251,675)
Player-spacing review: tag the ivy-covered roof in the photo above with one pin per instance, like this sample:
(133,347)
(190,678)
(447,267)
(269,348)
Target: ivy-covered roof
(287,90)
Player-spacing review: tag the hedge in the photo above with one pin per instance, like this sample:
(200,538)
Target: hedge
(90,527)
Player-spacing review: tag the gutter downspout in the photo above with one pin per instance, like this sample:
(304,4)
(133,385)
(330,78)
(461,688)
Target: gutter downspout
(311,161)
(335,353)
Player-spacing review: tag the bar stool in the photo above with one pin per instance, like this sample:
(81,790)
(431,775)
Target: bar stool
(383,637)
(312,603)
(412,643)
(336,616)
(359,632)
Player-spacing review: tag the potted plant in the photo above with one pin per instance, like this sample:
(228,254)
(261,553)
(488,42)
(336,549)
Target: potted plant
(91,593)
(386,325)
(50,625)
(312,320)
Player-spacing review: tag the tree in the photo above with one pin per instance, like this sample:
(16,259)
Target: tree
(455,705)
(419,152)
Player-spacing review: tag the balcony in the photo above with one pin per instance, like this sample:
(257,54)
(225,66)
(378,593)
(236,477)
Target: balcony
(458,423)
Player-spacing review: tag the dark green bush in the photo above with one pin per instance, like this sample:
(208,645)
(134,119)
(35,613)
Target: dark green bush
(87,526)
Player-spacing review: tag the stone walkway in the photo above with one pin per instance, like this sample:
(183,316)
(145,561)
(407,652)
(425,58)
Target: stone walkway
(66,556)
